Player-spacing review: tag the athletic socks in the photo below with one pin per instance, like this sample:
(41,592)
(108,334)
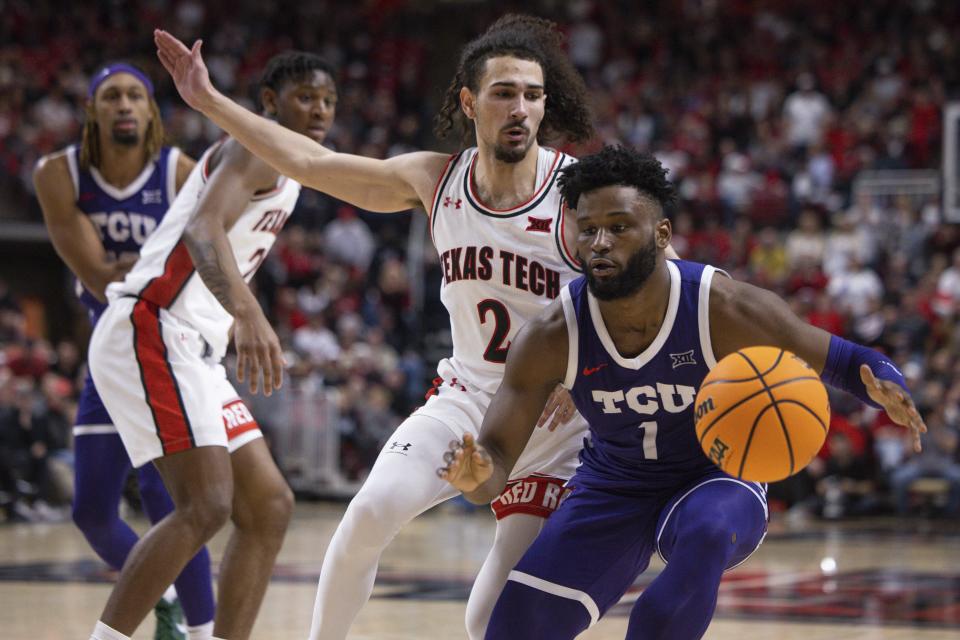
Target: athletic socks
(200,631)
(103,632)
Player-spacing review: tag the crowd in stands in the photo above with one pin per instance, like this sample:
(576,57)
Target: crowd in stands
(763,112)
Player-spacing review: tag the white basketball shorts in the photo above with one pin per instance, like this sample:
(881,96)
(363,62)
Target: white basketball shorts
(160,386)
(461,406)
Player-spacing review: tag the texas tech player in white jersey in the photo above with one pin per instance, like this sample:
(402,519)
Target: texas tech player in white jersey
(164,274)
(164,331)
(500,269)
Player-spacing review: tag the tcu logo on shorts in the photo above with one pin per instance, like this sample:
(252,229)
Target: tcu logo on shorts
(674,398)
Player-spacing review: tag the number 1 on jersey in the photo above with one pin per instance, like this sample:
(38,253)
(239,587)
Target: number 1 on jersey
(496,349)
(649,429)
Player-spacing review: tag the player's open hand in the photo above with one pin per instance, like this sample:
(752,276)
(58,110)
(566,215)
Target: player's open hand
(187,68)
(896,402)
(468,465)
(258,352)
(560,407)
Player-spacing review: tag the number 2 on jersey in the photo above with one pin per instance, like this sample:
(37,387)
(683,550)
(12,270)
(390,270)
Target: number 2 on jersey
(496,349)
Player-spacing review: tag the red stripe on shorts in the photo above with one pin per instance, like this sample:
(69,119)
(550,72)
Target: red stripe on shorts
(165,288)
(535,495)
(162,391)
(237,419)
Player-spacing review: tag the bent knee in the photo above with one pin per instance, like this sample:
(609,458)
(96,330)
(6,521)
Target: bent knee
(370,521)
(206,515)
(267,513)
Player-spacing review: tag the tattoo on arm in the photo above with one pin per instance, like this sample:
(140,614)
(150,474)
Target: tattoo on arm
(209,261)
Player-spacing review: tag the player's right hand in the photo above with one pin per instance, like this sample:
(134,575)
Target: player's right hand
(187,68)
(468,465)
(258,352)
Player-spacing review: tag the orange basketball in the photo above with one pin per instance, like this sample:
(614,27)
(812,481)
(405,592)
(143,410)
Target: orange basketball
(762,414)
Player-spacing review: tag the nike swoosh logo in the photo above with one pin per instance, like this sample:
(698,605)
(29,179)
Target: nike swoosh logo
(589,371)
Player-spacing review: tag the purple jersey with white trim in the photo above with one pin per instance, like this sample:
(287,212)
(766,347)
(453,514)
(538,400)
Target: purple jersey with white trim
(640,409)
(123,218)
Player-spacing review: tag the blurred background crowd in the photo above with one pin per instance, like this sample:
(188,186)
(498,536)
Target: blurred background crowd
(787,126)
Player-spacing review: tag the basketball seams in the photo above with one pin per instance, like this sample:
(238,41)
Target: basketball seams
(739,380)
(759,373)
(753,429)
(743,401)
(808,410)
(773,401)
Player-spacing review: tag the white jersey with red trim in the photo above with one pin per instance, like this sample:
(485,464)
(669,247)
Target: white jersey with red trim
(164,274)
(500,267)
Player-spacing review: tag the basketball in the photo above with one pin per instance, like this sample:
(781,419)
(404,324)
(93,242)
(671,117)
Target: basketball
(762,414)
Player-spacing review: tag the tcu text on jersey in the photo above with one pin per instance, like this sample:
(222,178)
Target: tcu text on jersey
(120,226)
(674,398)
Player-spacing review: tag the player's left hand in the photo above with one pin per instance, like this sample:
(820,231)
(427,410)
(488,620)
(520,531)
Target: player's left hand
(560,406)
(896,402)
(186,67)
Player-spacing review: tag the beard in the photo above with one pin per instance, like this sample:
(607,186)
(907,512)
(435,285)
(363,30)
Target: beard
(512,155)
(126,138)
(639,267)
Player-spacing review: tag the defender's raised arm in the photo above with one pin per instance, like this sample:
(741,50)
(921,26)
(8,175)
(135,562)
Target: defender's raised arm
(396,184)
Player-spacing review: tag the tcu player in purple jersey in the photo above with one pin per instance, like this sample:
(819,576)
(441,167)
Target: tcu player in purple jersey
(101,199)
(633,341)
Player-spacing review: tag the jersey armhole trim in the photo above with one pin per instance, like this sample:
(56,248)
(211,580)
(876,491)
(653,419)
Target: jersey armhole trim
(74,171)
(440,186)
(703,314)
(173,159)
(568,258)
(573,337)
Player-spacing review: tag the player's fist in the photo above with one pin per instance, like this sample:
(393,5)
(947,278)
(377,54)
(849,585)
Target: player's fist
(468,465)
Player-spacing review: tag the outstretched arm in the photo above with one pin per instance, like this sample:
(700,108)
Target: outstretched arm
(742,315)
(535,365)
(396,184)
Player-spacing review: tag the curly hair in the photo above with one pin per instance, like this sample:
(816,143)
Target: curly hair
(527,38)
(290,66)
(616,165)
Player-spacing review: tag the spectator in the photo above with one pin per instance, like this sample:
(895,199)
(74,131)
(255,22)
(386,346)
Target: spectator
(348,240)
(805,111)
(856,291)
(936,460)
(806,243)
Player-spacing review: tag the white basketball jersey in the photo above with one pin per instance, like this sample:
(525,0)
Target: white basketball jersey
(500,267)
(164,274)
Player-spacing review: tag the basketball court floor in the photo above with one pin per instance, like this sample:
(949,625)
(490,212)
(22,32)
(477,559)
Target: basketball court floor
(867,580)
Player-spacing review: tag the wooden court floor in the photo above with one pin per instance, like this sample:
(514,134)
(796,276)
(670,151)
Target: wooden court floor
(871,580)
